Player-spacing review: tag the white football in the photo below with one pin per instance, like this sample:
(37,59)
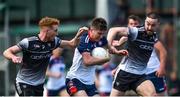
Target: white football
(99,52)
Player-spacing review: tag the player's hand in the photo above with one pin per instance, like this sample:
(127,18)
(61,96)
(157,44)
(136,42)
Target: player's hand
(160,72)
(81,31)
(75,41)
(53,74)
(107,58)
(17,59)
(115,43)
(112,50)
(122,52)
(57,75)
(113,72)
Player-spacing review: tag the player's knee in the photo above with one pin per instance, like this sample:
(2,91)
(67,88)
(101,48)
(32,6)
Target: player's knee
(146,89)
(150,93)
(147,93)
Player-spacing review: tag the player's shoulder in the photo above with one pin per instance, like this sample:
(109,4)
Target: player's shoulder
(32,38)
(28,39)
(141,28)
(84,35)
(85,38)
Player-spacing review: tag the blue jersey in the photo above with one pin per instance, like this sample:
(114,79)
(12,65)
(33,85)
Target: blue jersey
(105,77)
(56,65)
(140,46)
(86,74)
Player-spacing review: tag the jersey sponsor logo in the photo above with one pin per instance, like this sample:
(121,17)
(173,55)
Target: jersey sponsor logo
(40,56)
(146,47)
(36,46)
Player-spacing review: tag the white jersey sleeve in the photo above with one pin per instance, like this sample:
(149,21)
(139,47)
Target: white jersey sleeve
(23,44)
(133,32)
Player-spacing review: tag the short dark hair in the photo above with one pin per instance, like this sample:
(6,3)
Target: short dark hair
(134,17)
(153,15)
(99,24)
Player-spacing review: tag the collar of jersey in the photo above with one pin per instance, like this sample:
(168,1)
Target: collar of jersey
(89,35)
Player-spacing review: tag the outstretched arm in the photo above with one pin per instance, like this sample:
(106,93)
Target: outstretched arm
(162,56)
(11,52)
(74,42)
(122,31)
(121,41)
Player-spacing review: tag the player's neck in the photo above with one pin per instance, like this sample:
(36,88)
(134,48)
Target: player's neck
(42,37)
(90,36)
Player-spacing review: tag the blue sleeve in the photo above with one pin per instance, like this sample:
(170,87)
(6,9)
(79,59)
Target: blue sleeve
(83,45)
(23,44)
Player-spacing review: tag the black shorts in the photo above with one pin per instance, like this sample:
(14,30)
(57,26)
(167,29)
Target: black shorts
(127,81)
(29,90)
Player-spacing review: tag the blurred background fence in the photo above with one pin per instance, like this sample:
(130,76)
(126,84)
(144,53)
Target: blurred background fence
(19,19)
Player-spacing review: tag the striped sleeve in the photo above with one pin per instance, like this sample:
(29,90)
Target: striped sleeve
(83,45)
(23,44)
(57,42)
